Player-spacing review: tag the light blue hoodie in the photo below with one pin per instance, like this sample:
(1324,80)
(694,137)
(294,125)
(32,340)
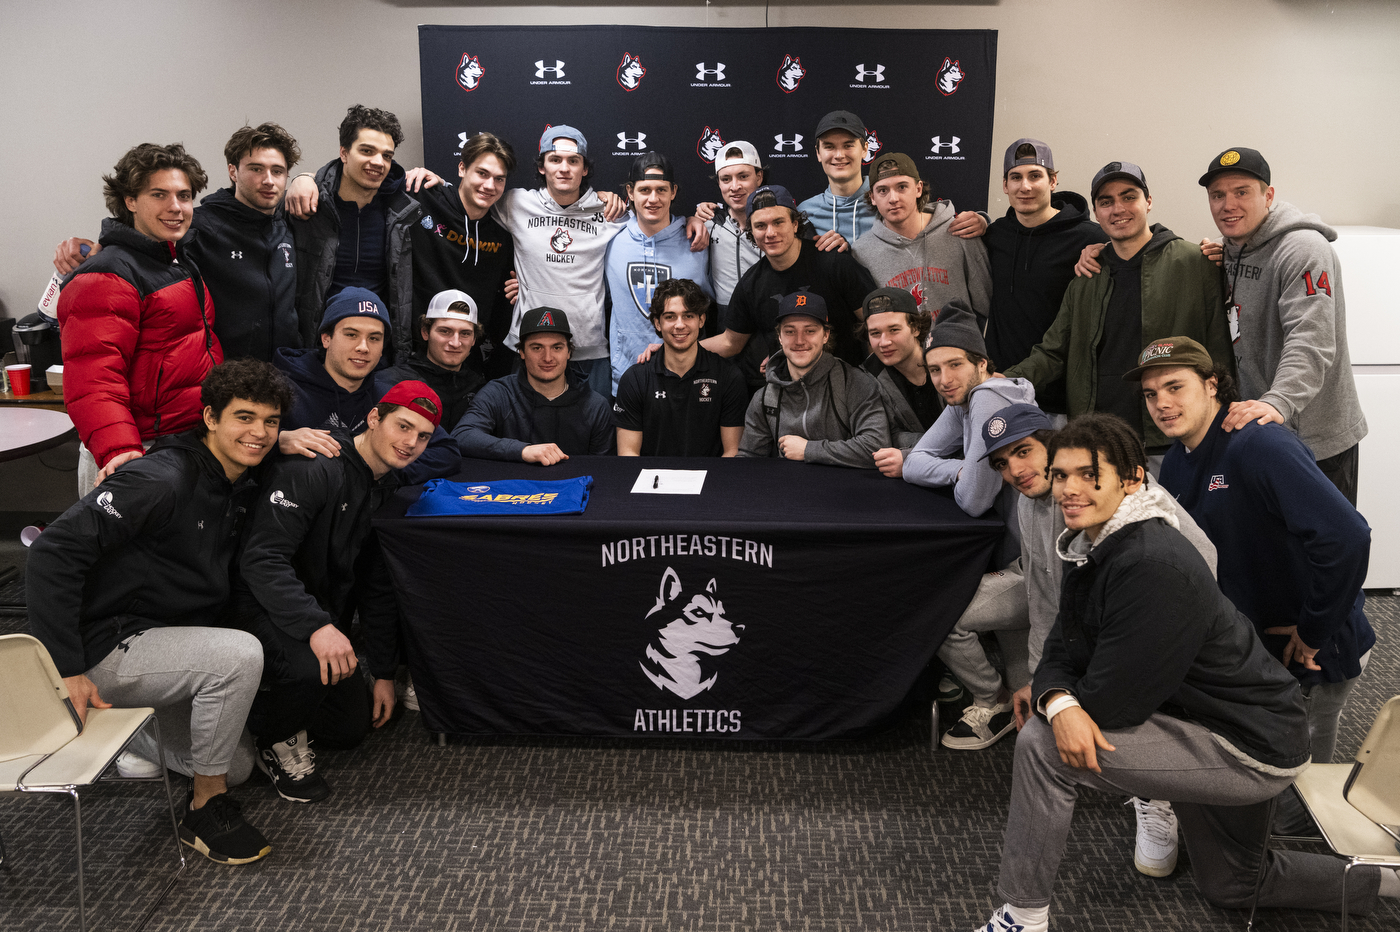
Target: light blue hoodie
(636,264)
(851,216)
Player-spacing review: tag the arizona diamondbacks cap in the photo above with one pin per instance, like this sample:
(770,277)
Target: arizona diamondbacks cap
(1012,423)
(442,306)
(1118,171)
(737,153)
(1041,156)
(545,320)
(1239,159)
(551,138)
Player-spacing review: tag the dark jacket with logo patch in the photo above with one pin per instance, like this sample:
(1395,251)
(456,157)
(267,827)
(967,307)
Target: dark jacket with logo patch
(152,546)
(508,415)
(311,558)
(248,261)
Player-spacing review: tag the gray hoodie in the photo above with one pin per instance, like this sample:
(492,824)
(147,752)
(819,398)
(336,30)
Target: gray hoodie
(1042,524)
(835,407)
(935,266)
(1290,329)
(732,254)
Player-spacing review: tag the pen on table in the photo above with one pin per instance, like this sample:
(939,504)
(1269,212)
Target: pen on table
(656,482)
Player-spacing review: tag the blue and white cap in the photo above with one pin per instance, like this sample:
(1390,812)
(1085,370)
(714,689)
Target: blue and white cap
(1012,423)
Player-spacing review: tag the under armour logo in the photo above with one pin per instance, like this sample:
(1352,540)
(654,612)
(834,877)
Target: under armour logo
(235,254)
(939,145)
(878,73)
(716,73)
(660,394)
(541,68)
(638,141)
(782,142)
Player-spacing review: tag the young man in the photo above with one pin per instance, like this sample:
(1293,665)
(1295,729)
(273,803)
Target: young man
(1153,684)
(125,589)
(1287,316)
(651,248)
(334,387)
(896,329)
(1293,550)
(842,208)
(244,248)
(950,453)
(789,263)
(733,252)
(137,321)
(917,251)
(1032,251)
(450,328)
(815,407)
(309,564)
(1158,284)
(458,245)
(362,238)
(542,414)
(685,400)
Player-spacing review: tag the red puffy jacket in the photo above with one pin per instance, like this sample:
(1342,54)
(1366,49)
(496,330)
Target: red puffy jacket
(138,339)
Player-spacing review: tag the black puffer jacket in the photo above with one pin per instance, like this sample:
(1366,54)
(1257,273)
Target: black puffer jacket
(152,546)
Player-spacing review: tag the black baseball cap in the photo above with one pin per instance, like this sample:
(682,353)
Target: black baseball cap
(1239,159)
(885,300)
(1118,171)
(770,195)
(843,120)
(651,165)
(1042,155)
(889,166)
(545,320)
(802,304)
(1012,423)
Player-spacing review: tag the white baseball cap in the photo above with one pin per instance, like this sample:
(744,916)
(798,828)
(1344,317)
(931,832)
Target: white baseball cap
(748,155)
(441,306)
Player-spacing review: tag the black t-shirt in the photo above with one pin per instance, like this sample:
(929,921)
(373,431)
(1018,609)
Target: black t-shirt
(681,415)
(1122,339)
(924,399)
(753,308)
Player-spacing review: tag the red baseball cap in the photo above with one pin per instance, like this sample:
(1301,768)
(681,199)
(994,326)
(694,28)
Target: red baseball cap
(417,397)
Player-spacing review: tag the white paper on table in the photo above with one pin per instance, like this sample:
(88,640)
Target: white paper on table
(670,481)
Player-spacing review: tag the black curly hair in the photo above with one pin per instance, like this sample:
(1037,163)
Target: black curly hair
(249,379)
(1102,434)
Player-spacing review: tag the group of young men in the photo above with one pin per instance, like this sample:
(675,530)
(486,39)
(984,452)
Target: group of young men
(1075,377)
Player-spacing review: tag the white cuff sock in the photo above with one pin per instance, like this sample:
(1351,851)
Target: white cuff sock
(1035,920)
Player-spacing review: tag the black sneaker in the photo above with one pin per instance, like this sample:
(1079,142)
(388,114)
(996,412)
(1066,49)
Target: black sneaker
(218,831)
(291,766)
(950,689)
(980,727)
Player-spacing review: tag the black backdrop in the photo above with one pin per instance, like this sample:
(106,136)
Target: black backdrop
(926,92)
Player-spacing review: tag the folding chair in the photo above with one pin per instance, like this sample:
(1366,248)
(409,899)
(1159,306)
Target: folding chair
(1357,806)
(45,749)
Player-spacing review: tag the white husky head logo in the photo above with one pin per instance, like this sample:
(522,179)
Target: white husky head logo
(698,626)
(872,145)
(790,73)
(709,145)
(949,76)
(561,239)
(629,72)
(469,72)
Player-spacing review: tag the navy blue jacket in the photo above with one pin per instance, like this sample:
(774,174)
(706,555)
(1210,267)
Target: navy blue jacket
(1292,550)
(508,415)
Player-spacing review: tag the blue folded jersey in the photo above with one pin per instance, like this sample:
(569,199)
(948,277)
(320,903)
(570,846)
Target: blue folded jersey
(503,497)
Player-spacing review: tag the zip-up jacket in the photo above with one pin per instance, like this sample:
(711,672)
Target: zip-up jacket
(152,547)
(318,238)
(1143,628)
(835,407)
(318,401)
(311,556)
(138,336)
(935,266)
(454,389)
(731,253)
(507,416)
(851,216)
(1180,297)
(249,266)
(905,429)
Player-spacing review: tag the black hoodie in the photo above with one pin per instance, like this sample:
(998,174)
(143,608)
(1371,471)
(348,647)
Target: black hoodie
(454,389)
(152,546)
(249,265)
(1031,268)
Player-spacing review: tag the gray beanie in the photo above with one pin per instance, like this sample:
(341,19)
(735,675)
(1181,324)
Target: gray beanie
(956,326)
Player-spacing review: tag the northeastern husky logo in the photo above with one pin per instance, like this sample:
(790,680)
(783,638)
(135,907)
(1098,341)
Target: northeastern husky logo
(709,145)
(469,72)
(949,77)
(790,73)
(630,72)
(872,145)
(642,278)
(674,657)
(561,239)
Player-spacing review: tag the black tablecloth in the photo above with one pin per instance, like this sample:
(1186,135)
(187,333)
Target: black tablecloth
(785,601)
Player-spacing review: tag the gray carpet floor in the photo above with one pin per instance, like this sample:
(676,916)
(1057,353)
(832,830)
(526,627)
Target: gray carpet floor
(877,834)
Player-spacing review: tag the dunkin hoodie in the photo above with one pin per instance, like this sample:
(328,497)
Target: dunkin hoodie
(559,260)
(1289,328)
(935,266)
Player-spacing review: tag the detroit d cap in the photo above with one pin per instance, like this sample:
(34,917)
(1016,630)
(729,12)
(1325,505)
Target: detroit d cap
(1041,157)
(802,304)
(650,165)
(885,300)
(843,120)
(888,166)
(1010,424)
(770,195)
(1170,351)
(1118,171)
(563,131)
(441,306)
(545,320)
(416,396)
(1238,159)
(737,153)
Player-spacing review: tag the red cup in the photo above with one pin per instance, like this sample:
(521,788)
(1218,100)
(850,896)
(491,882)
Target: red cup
(19,378)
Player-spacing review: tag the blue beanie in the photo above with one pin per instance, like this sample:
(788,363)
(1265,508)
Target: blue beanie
(354,302)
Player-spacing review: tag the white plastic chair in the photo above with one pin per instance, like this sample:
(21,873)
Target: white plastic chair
(44,748)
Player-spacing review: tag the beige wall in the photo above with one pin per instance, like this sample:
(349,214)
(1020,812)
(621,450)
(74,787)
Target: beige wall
(1165,84)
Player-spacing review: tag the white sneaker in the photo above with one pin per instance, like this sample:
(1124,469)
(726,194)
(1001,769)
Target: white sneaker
(409,697)
(1155,854)
(1003,921)
(135,767)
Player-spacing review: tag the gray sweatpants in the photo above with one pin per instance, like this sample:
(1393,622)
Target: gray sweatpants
(1221,804)
(999,605)
(201,682)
